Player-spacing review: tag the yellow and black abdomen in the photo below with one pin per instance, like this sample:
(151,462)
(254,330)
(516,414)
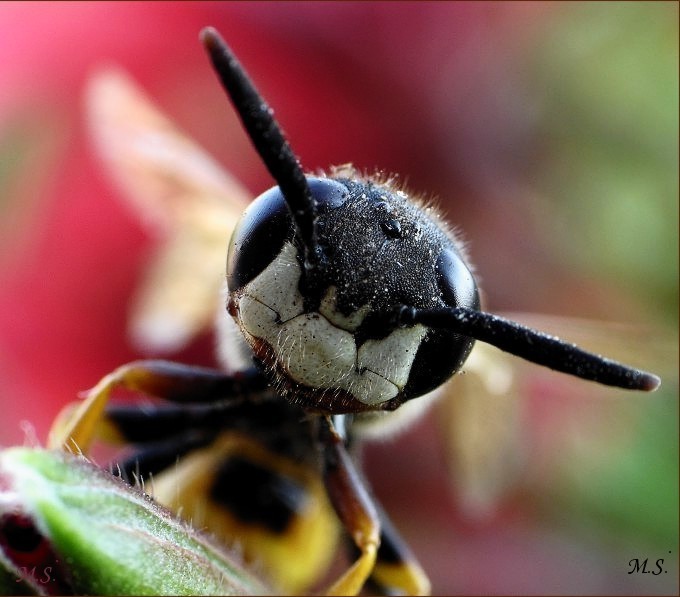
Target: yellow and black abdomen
(271,508)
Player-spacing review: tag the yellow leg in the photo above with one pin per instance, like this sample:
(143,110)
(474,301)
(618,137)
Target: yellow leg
(408,577)
(353,579)
(75,428)
(355,508)
(397,570)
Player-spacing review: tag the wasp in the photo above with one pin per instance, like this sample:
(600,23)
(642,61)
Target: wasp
(349,306)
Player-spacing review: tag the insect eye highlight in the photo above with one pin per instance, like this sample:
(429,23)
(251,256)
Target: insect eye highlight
(455,281)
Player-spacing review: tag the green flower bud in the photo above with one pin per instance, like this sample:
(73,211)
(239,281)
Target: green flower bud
(66,526)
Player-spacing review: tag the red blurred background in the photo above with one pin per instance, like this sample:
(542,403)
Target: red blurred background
(548,134)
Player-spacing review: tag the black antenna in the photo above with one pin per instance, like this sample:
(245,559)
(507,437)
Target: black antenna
(269,141)
(532,345)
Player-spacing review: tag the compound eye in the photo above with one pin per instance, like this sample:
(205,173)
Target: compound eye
(328,193)
(266,225)
(455,281)
(443,352)
(257,238)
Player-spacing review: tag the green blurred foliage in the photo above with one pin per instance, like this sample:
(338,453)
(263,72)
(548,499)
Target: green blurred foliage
(629,491)
(608,74)
(31,140)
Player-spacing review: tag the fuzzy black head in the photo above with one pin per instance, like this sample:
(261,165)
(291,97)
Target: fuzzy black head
(382,251)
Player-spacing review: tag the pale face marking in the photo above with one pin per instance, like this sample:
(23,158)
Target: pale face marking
(318,349)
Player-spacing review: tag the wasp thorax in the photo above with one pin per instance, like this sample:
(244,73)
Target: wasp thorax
(323,339)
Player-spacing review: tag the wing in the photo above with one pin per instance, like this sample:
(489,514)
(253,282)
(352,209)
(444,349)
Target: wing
(480,414)
(179,192)
(492,416)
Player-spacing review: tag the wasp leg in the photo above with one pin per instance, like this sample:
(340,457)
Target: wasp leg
(354,506)
(396,569)
(75,430)
(144,423)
